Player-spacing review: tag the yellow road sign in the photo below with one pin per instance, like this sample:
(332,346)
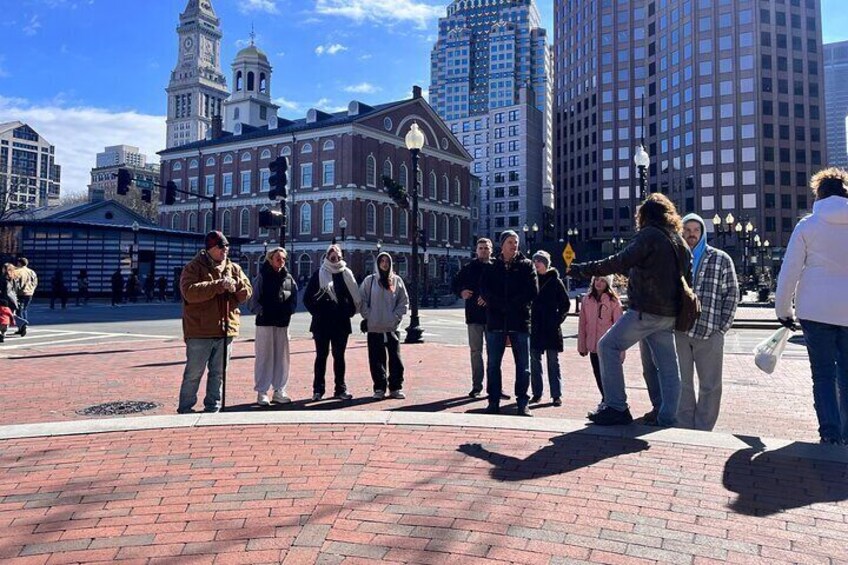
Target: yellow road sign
(568,255)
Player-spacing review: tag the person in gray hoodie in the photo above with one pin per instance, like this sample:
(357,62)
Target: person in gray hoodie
(384,304)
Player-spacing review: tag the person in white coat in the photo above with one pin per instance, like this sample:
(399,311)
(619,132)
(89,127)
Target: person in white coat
(815,274)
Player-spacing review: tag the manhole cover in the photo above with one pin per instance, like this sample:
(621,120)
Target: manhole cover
(118,408)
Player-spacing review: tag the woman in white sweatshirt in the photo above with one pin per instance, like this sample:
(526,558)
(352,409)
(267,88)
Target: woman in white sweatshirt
(815,273)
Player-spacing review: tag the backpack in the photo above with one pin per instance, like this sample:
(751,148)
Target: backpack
(690,305)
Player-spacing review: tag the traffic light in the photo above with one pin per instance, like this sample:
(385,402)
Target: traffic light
(147,194)
(124,181)
(278,179)
(170,192)
(270,219)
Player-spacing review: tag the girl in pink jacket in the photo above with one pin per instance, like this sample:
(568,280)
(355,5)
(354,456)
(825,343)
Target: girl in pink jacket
(600,309)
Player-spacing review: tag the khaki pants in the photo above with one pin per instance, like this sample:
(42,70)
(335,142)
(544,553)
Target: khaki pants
(707,356)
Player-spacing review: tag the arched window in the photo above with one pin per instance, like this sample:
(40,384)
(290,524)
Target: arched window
(192,164)
(177,166)
(266,154)
(432,268)
(250,81)
(307,148)
(306,218)
(401,267)
(239,85)
(329,145)
(263,83)
(420,180)
(245,157)
(244,222)
(236,114)
(387,169)
(434,185)
(191,222)
(457,230)
(371,171)
(457,191)
(420,220)
(403,223)
(434,228)
(226,223)
(403,176)
(388,221)
(210,162)
(446,228)
(207,222)
(228,160)
(328,215)
(369,264)
(371,218)
(304,265)
(445,188)
(175,222)
(285,151)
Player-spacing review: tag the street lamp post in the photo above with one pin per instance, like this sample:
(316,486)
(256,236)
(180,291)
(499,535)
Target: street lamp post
(343,228)
(534,232)
(744,235)
(526,229)
(723,229)
(134,253)
(414,142)
(447,262)
(617,243)
(642,161)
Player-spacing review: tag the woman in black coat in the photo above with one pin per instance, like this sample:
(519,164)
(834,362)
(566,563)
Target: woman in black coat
(549,311)
(332,297)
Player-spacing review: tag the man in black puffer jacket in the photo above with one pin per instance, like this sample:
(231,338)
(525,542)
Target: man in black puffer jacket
(509,288)
(653,261)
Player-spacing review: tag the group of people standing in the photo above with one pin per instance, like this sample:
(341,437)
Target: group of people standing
(213,287)
(17,286)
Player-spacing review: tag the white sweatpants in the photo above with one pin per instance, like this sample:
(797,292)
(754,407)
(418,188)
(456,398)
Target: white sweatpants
(272,363)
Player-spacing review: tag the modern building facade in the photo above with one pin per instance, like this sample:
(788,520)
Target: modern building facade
(336,165)
(728,96)
(29,175)
(121,155)
(104,177)
(836,101)
(198,86)
(490,81)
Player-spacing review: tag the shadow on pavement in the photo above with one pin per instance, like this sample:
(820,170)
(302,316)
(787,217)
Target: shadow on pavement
(770,482)
(76,353)
(439,405)
(308,404)
(566,453)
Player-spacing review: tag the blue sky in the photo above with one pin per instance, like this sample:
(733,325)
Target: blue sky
(90,73)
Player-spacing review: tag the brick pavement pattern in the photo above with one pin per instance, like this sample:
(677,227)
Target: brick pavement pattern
(411,494)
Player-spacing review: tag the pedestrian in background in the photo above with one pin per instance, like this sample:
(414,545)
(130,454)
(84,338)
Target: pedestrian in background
(467,285)
(275,297)
(117,287)
(82,287)
(654,260)
(149,287)
(28,283)
(601,310)
(815,274)
(58,289)
(384,304)
(212,288)
(10,287)
(550,308)
(7,319)
(509,288)
(332,298)
(133,286)
(702,347)
(162,286)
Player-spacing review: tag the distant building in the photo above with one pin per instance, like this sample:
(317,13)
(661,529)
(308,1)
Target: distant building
(29,176)
(836,102)
(121,155)
(104,177)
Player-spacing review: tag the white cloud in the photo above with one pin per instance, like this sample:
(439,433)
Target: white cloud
(242,43)
(267,6)
(287,104)
(33,26)
(362,88)
(380,11)
(330,49)
(79,132)
(281,54)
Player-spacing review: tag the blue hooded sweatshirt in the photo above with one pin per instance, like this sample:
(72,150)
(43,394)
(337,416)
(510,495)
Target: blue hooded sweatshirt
(700,250)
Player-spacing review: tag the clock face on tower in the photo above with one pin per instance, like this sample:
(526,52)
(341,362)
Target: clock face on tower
(187,43)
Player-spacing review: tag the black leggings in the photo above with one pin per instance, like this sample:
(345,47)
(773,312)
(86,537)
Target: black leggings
(322,351)
(596,368)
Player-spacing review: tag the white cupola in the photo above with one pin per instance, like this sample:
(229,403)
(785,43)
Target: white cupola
(250,101)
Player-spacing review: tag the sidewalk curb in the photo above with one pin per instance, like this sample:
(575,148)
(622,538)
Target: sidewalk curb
(677,436)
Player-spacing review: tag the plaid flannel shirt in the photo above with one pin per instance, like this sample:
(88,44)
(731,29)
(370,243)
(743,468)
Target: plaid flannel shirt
(718,291)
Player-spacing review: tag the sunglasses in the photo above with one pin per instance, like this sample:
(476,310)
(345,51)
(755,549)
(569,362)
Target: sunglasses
(223,246)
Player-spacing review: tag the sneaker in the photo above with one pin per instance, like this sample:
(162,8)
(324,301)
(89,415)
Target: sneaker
(535,400)
(2,338)
(379,394)
(474,394)
(397,394)
(343,396)
(280,397)
(650,418)
(212,410)
(262,399)
(557,401)
(317,396)
(524,411)
(492,409)
(611,417)
(23,331)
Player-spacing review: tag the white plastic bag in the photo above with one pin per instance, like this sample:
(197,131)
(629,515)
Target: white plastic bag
(768,352)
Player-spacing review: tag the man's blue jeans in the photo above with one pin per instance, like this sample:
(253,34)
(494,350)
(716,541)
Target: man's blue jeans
(23,314)
(651,375)
(554,376)
(658,333)
(495,346)
(203,353)
(827,347)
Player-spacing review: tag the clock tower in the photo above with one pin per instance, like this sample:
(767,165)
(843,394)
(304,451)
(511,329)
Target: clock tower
(198,86)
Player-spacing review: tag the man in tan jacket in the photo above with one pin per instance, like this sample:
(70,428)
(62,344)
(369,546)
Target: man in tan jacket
(212,288)
(28,282)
